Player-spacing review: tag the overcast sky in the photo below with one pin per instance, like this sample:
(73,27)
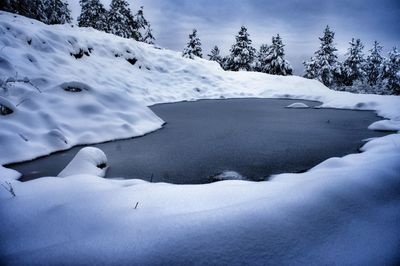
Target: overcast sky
(299,22)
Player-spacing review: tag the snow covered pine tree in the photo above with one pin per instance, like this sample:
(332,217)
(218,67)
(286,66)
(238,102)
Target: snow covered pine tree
(193,47)
(353,67)
(93,14)
(121,21)
(242,53)
(391,71)
(144,33)
(373,65)
(324,66)
(215,55)
(57,12)
(275,62)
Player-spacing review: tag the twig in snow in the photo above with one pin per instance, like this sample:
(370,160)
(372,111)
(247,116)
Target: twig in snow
(137,203)
(7,186)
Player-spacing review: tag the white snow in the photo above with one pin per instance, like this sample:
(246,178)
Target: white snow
(88,161)
(386,125)
(343,211)
(228,175)
(298,105)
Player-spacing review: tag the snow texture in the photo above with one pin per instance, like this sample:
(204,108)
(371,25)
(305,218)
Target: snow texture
(386,125)
(298,105)
(88,161)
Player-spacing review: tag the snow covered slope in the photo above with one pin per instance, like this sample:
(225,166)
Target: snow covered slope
(42,67)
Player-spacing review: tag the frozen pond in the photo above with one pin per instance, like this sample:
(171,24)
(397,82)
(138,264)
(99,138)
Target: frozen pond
(254,137)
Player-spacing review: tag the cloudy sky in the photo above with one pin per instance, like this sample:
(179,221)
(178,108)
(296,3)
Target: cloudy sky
(299,22)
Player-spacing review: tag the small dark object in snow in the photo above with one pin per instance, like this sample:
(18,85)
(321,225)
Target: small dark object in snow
(90,49)
(72,89)
(131,61)
(80,54)
(117,55)
(197,89)
(29,41)
(7,186)
(137,203)
(4,110)
(101,166)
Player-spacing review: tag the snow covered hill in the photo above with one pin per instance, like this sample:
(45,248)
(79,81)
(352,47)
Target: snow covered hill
(62,85)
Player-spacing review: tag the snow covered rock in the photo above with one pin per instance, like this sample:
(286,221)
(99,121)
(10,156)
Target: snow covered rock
(89,161)
(8,174)
(298,105)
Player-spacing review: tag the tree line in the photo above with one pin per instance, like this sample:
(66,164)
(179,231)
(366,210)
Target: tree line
(243,56)
(357,73)
(373,73)
(118,19)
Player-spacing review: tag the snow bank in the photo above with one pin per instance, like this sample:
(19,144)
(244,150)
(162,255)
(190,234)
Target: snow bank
(344,211)
(88,161)
(80,86)
(386,125)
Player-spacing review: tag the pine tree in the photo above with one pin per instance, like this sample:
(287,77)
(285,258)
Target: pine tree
(353,67)
(193,47)
(29,8)
(148,36)
(311,68)
(242,54)
(373,66)
(275,63)
(262,59)
(144,32)
(93,14)
(215,55)
(57,12)
(121,21)
(391,71)
(325,59)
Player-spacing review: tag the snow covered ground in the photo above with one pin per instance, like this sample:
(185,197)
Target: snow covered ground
(69,86)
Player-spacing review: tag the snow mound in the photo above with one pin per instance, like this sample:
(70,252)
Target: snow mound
(298,105)
(386,125)
(88,161)
(228,175)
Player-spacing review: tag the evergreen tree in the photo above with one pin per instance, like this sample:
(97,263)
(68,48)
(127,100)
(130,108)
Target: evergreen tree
(93,14)
(391,71)
(144,32)
(148,36)
(275,63)
(326,59)
(311,68)
(262,59)
(121,21)
(353,67)
(242,54)
(373,66)
(193,47)
(29,8)
(57,12)
(215,55)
